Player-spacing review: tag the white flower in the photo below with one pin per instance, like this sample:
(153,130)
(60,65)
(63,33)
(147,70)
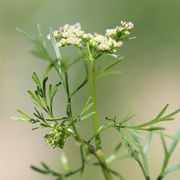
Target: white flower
(55,33)
(130,25)
(111,32)
(87,36)
(118,44)
(123,23)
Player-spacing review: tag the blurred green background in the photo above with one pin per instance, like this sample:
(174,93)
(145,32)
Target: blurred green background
(150,79)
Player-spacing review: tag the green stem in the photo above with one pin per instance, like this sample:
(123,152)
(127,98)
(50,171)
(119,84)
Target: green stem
(94,108)
(78,137)
(106,171)
(165,163)
(99,154)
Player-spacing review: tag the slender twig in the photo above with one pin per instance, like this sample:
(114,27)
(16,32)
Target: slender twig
(70,109)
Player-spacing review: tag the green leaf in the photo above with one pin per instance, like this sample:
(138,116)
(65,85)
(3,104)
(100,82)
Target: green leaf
(156,128)
(127,118)
(48,70)
(129,140)
(114,157)
(152,122)
(44,86)
(36,79)
(148,140)
(42,39)
(40,50)
(33,129)
(173,113)
(118,147)
(45,166)
(24,114)
(174,142)
(162,111)
(68,109)
(135,156)
(87,116)
(136,136)
(57,119)
(105,72)
(87,106)
(169,152)
(171,137)
(132,38)
(54,43)
(64,162)
(101,129)
(39,170)
(41,53)
(159,118)
(19,119)
(25,34)
(172,169)
(111,65)
(58,56)
(143,152)
(55,89)
(36,98)
(50,90)
(164,144)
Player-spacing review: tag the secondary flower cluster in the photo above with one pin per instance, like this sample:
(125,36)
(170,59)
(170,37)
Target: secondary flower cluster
(104,44)
(108,43)
(58,135)
(120,31)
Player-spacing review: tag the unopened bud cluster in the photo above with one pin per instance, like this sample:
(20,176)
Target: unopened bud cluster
(108,43)
(57,137)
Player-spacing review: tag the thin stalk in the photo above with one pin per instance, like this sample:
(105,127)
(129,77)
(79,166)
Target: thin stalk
(142,168)
(165,163)
(70,109)
(99,154)
(145,167)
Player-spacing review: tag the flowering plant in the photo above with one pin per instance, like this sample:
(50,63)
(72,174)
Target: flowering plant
(60,128)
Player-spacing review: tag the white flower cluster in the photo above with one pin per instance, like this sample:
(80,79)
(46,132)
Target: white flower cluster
(69,35)
(108,43)
(120,31)
(104,43)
